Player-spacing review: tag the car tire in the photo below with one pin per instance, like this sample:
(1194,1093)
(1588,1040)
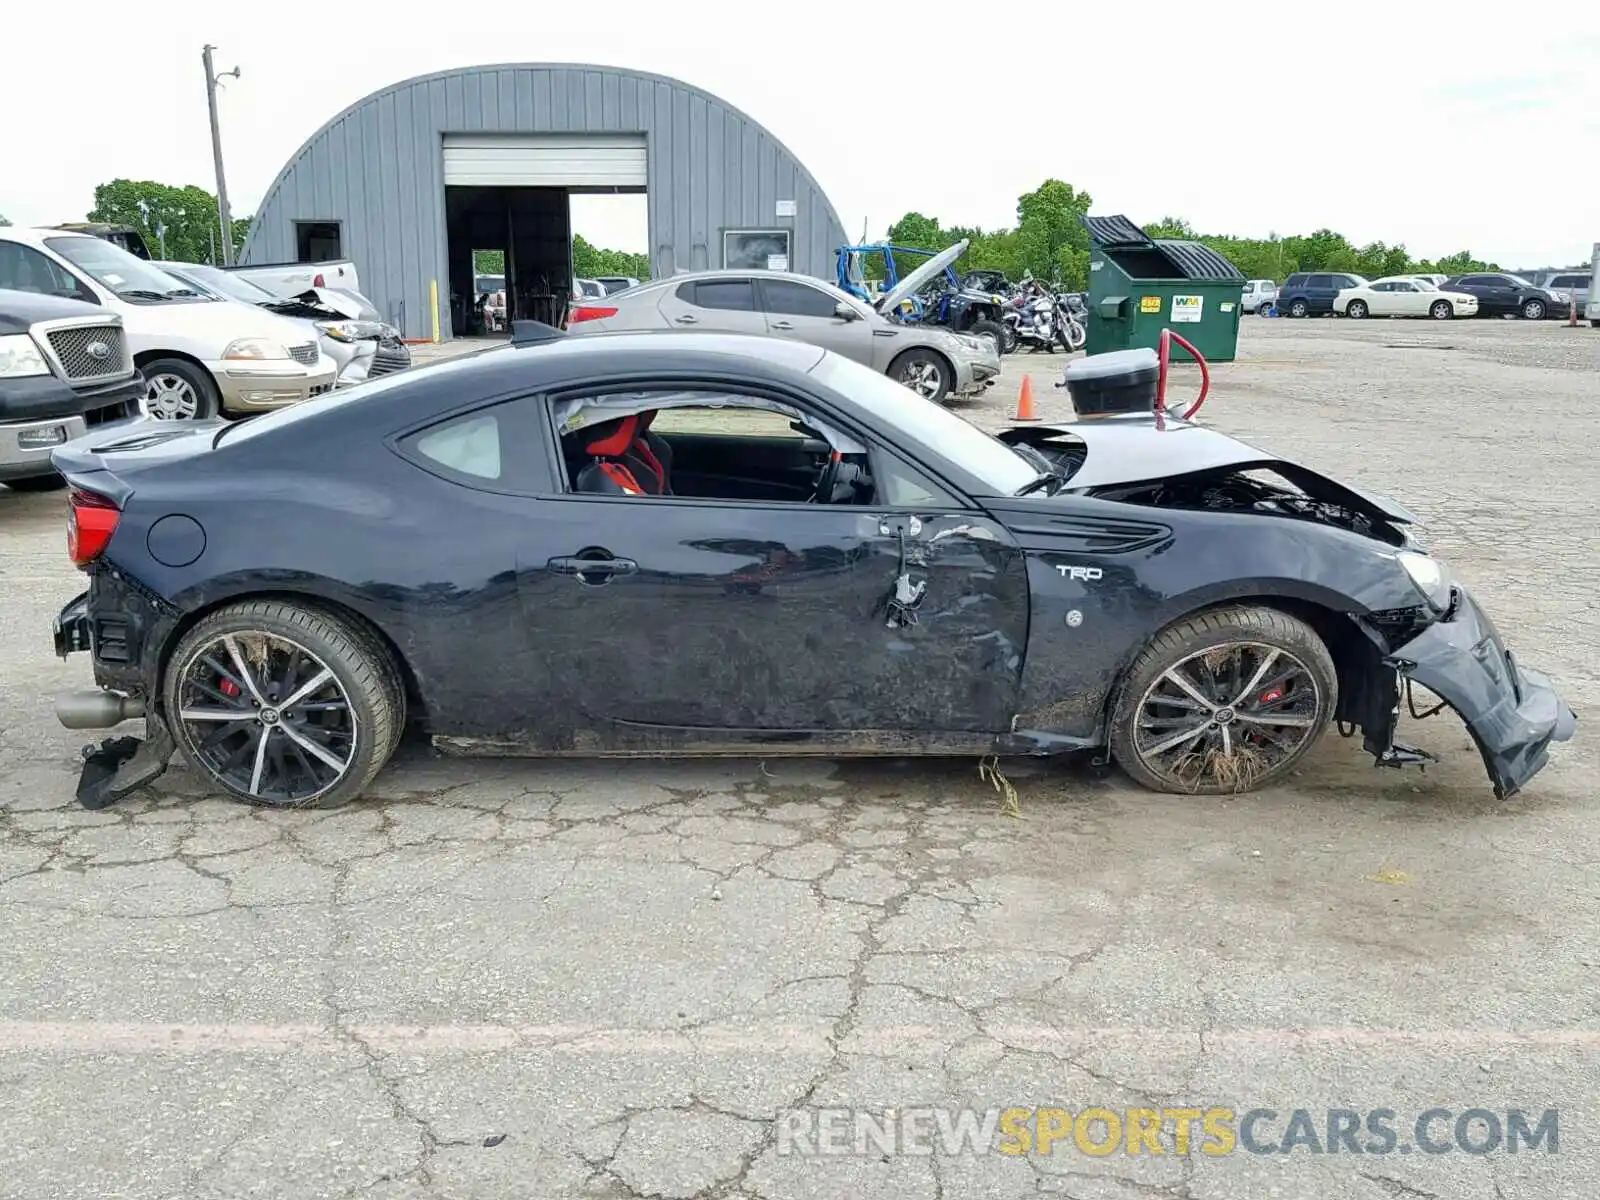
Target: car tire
(178,390)
(37,483)
(1299,308)
(1532,310)
(1442,310)
(992,330)
(1009,343)
(1356,310)
(270,757)
(1289,675)
(925,373)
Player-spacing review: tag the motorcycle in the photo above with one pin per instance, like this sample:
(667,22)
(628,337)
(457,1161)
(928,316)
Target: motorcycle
(1041,320)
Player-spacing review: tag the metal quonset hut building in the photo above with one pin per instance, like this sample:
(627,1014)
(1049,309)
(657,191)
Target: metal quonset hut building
(412,179)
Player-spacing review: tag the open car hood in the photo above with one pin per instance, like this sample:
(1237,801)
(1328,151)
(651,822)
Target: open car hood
(1135,449)
(913,283)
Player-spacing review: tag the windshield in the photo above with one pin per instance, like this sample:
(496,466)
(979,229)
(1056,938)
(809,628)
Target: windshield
(115,269)
(1003,471)
(224,284)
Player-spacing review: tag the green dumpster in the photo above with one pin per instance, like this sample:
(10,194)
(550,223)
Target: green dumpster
(1140,285)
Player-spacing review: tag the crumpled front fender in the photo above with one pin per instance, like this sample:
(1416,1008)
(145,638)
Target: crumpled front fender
(1512,712)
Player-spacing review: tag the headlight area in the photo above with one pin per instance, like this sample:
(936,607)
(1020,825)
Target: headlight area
(1429,576)
(352,331)
(20,357)
(254,350)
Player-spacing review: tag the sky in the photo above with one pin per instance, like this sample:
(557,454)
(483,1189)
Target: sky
(1441,127)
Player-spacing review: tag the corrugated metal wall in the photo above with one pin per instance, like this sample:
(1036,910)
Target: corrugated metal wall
(378,167)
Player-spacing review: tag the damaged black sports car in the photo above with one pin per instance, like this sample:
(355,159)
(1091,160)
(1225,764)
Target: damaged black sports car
(693,544)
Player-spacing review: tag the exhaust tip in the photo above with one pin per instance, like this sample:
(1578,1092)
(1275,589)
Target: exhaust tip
(97,710)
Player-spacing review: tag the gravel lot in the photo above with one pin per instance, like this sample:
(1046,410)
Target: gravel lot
(554,980)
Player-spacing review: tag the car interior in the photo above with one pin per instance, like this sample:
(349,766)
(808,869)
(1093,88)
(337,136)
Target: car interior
(714,453)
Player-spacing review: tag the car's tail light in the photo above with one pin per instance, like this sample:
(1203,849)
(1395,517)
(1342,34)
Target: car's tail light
(590,312)
(91,520)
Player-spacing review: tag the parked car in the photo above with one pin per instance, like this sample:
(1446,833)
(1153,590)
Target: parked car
(126,236)
(1436,280)
(616,283)
(936,363)
(553,554)
(1503,295)
(1312,293)
(290,279)
(1569,289)
(200,357)
(588,289)
(1258,295)
(65,368)
(347,326)
(1404,296)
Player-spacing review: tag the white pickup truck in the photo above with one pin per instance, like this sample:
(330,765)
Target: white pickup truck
(293,279)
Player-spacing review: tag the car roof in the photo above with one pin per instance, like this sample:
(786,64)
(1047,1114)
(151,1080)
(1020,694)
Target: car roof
(34,236)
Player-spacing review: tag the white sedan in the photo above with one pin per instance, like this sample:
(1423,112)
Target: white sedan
(1404,296)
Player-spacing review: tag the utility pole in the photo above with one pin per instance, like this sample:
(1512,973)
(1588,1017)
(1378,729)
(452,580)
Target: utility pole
(225,217)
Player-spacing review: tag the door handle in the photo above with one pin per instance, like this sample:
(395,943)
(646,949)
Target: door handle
(604,567)
(686,319)
(782,325)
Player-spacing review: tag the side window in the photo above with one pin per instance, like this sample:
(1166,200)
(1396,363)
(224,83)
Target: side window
(1383,287)
(742,422)
(1320,281)
(900,485)
(24,269)
(501,448)
(469,446)
(729,295)
(788,298)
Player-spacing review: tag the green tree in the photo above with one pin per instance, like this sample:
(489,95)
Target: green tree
(183,219)
(589,261)
(1054,244)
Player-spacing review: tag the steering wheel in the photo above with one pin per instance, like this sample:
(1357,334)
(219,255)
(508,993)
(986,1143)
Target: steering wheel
(826,478)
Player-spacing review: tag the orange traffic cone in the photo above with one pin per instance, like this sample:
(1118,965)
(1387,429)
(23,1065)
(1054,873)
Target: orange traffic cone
(1025,401)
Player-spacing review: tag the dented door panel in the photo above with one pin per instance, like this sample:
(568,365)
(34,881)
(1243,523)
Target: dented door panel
(779,617)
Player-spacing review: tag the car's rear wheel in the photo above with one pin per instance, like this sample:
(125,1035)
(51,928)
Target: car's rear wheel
(283,704)
(1356,309)
(1223,701)
(1299,308)
(177,390)
(1442,310)
(1533,310)
(925,373)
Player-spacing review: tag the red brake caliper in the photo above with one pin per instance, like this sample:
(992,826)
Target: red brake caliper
(228,688)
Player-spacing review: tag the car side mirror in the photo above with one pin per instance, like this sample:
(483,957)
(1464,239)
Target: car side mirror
(845,313)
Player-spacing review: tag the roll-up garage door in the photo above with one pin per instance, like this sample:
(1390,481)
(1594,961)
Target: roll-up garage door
(571,160)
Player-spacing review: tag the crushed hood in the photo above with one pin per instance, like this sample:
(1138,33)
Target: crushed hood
(1134,449)
(322,303)
(913,282)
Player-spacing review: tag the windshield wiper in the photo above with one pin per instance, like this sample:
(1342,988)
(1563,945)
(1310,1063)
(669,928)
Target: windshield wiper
(181,292)
(144,293)
(1041,482)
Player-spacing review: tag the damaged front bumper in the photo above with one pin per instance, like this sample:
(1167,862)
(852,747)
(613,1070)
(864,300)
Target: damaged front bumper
(1512,712)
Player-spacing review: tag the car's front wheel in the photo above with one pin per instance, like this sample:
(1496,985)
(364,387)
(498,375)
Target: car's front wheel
(178,390)
(279,703)
(1533,310)
(1356,309)
(925,373)
(1223,701)
(1442,310)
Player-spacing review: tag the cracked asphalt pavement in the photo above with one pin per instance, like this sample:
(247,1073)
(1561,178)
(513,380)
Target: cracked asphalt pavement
(535,979)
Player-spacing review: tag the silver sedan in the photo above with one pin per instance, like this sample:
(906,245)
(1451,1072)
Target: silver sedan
(936,363)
